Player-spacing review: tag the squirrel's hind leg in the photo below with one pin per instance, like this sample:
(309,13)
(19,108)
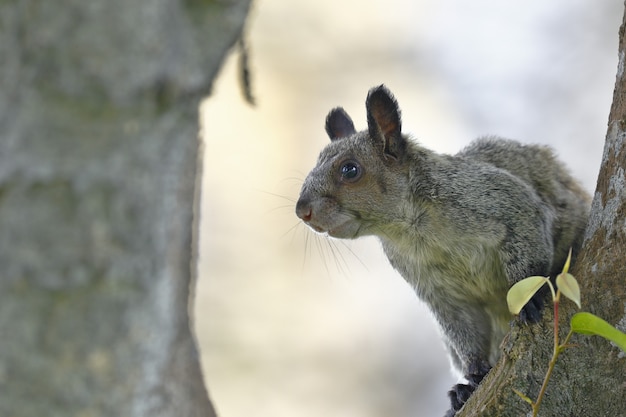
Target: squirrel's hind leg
(460,393)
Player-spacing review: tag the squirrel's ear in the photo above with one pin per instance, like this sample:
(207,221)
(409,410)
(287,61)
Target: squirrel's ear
(339,124)
(383,121)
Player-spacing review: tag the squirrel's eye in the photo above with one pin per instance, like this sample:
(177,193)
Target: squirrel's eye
(350,171)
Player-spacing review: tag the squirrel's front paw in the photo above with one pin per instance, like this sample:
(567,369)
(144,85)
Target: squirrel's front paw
(531,312)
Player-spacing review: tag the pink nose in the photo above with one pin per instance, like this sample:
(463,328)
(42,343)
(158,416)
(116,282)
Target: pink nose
(303,210)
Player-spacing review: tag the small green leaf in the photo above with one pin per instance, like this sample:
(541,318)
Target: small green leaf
(523,291)
(522,396)
(587,323)
(567,262)
(567,284)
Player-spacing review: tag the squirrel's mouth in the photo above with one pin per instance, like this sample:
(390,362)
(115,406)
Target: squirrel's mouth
(316,228)
(346,230)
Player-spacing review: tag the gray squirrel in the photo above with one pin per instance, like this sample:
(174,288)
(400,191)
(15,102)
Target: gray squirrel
(461,229)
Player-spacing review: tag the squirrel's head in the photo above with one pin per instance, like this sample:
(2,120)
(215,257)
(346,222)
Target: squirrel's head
(360,177)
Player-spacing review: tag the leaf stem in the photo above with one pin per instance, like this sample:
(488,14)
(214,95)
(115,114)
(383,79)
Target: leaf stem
(544,386)
(556,327)
(558,348)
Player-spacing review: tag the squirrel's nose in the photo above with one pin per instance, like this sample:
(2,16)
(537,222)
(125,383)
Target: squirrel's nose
(303,210)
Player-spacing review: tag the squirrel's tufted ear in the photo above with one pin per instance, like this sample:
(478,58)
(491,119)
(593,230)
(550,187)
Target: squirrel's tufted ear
(339,124)
(383,121)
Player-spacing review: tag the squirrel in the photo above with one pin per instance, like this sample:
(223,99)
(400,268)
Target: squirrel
(461,229)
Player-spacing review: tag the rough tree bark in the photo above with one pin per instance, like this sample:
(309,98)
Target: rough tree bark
(98,161)
(590,378)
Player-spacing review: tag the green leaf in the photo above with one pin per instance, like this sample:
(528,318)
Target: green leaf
(522,396)
(523,291)
(587,323)
(567,284)
(567,262)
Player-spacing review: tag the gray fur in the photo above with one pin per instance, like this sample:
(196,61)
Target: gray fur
(460,229)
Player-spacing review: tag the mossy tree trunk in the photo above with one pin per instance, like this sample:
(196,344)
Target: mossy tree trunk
(99,158)
(589,378)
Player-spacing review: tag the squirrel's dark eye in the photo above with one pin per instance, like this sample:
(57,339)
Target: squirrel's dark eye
(350,171)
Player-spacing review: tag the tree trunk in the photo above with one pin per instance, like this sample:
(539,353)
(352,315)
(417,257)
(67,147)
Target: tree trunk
(98,163)
(589,378)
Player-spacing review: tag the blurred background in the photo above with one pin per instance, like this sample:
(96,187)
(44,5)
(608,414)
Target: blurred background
(295,324)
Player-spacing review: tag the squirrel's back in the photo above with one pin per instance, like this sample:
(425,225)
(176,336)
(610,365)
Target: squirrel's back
(538,167)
